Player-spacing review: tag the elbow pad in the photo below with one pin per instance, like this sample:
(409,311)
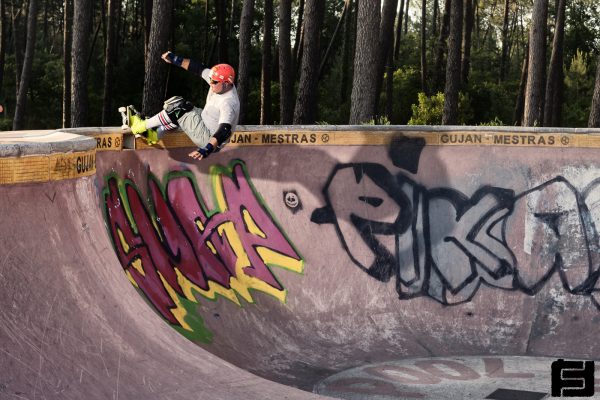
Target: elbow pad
(223,133)
(196,67)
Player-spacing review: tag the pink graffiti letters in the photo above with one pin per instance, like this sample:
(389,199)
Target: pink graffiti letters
(176,248)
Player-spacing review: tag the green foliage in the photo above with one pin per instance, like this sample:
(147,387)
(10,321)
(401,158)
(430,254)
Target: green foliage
(492,101)
(484,100)
(494,122)
(383,120)
(332,107)
(579,87)
(582,27)
(407,84)
(430,109)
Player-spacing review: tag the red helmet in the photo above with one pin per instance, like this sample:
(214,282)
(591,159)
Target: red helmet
(222,73)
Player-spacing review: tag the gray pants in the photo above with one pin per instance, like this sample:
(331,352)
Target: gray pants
(193,126)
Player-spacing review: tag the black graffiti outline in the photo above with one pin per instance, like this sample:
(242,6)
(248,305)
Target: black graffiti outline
(386,265)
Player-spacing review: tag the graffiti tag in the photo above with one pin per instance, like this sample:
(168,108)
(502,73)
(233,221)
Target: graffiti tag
(176,248)
(441,243)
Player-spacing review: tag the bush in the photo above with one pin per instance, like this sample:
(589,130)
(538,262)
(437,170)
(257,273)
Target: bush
(407,84)
(492,103)
(430,109)
(579,87)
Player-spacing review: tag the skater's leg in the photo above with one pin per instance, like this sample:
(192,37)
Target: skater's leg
(173,108)
(162,120)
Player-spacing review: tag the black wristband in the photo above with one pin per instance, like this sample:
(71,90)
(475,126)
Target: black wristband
(175,60)
(206,150)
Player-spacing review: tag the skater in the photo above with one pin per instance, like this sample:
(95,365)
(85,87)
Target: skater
(209,128)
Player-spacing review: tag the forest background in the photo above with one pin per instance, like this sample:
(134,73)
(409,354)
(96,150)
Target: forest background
(70,63)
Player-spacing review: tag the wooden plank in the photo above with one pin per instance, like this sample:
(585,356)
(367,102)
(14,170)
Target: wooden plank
(43,168)
(300,137)
(109,141)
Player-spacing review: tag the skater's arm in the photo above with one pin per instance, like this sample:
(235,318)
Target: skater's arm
(222,134)
(188,64)
(203,152)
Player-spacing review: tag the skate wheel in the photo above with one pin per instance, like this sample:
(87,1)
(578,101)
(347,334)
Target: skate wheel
(122,109)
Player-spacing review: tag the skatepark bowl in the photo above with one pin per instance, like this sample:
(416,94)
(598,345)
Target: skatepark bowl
(301,262)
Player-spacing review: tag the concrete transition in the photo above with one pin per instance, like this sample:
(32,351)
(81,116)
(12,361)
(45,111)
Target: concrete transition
(300,263)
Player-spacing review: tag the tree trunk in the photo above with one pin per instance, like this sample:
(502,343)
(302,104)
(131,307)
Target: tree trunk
(434,18)
(19,118)
(243,76)
(442,47)
(305,111)
(109,62)
(389,87)
(45,24)
(156,69)
(18,43)
(386,42)
(399,30)
(347,51)
(363,98)
(504,57)
(232,16)
(333,39)
(297,51)
(265,86)
(286,79)
(520,106)
(424,88)
(450,114)
(147,24)
(467,35)
(67,46)
(406,17)
(221,8)
(2,43)
(554,86)
(594,119)
(81,42)
(205,47)
(534,92)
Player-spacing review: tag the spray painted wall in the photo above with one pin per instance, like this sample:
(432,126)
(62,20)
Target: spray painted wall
(405,248)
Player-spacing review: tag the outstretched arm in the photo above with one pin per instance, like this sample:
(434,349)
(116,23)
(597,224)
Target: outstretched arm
(221,135)
(188,64)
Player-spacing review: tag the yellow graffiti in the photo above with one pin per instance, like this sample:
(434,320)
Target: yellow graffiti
(271,257)
(214,289)
(137,264)
(122,240)
(217,182)
(133,282)
(251,224)
(179,312)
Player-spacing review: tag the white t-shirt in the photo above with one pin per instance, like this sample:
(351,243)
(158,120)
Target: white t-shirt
(220,108)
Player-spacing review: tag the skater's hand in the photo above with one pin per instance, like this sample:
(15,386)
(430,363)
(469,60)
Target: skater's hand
(196,155)
(166,56)
(202,152)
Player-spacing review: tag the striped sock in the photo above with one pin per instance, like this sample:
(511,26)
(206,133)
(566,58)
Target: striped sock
(161,119)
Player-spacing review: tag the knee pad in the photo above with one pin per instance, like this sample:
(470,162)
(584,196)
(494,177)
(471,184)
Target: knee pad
(176,106)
